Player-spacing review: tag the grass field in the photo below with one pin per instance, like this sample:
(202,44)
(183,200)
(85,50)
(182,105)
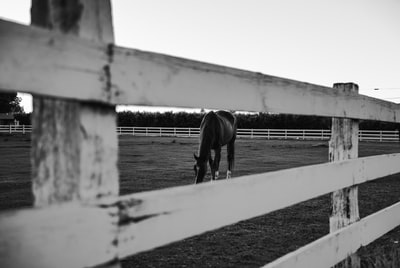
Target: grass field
(152,163)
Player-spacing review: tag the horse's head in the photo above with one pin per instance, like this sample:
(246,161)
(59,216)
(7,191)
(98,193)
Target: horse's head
(200,169)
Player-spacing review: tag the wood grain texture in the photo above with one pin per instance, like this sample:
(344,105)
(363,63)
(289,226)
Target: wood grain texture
(343,145)
(74,145)
(336,246)
(156,218)
(157,79)
(50,63)
(116,75)
(68,235)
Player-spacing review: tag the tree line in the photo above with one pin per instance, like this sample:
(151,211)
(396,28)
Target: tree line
(255,120)
(249,120)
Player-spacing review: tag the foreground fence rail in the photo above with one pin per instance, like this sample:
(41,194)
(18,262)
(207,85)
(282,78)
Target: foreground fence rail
(298,134)
(75,148)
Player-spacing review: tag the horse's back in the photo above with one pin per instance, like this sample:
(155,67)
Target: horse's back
(227,117)
(222,124)
(228,126)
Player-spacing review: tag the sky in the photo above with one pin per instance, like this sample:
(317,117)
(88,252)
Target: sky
(316,41)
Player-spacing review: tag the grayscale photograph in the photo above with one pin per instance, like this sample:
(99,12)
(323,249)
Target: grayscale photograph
(212,133)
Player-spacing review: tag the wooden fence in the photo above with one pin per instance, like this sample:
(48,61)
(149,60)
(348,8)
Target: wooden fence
(77,75)
(296,134)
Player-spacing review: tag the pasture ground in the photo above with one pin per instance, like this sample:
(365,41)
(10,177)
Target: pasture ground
(148,163)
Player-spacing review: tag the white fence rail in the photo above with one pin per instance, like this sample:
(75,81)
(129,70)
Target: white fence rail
(298,134)
(15,129)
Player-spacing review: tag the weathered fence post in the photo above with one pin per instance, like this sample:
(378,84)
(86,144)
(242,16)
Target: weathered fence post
(343,145)
(74,144)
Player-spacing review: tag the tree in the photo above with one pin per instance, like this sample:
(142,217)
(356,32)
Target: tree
(10,103)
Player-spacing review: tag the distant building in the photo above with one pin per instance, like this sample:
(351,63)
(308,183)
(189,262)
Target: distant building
(7,119)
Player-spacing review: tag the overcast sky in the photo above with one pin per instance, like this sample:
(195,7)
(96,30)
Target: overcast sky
(316,41)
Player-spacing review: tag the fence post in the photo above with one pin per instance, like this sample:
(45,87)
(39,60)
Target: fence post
(343,145)
(9,129)
(74,144)
(133,131)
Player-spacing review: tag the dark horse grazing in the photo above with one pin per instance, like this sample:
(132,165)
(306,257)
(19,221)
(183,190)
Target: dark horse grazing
(216,130)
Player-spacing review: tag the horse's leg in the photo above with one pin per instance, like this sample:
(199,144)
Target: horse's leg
(231,158)
(216,161)
(211,162)
(198,178)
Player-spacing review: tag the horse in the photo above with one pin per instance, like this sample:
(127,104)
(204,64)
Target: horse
(216,130)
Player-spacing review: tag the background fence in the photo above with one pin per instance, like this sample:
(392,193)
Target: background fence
(15,129)
(297,134)
(80,221)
